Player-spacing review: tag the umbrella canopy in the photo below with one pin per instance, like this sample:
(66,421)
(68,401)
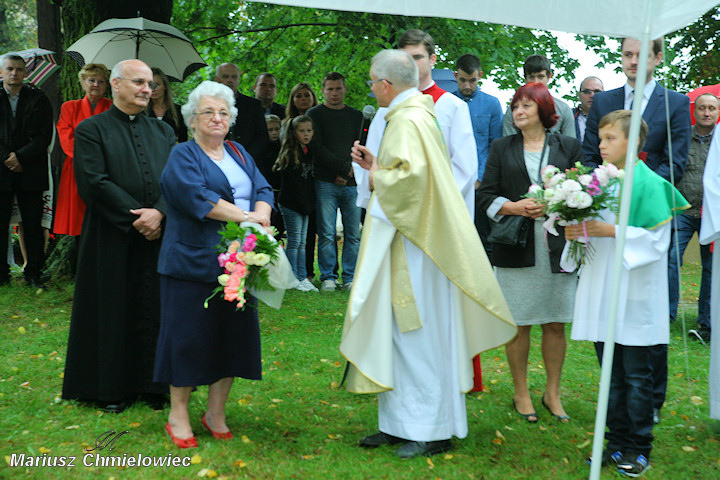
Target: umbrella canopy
(39,65)
(714,89)
(157,44)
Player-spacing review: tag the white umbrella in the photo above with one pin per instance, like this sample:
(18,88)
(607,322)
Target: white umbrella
(157,44)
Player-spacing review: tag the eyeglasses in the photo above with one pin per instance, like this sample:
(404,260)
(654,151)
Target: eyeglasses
(140,82)
(587,91)
(209,115)
(371,82)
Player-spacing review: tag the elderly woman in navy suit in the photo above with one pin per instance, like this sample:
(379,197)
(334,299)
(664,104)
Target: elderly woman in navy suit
(538,292)
(206,183)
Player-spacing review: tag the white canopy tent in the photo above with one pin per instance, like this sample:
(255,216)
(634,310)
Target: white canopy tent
(641,19)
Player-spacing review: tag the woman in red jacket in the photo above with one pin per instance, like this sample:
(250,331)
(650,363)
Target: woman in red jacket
(70,209)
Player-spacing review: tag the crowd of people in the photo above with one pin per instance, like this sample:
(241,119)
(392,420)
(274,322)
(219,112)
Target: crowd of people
(146,204)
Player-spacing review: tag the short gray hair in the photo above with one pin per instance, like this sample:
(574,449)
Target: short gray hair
(209,88)
(11,56)
(117,70)
(397,67)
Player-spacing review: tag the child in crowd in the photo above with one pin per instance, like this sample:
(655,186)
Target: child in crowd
(266,162)
(297,193)
(643,312)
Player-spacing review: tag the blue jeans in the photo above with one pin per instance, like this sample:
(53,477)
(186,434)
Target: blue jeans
(685,226)
(296,226)
(328,198)
(630,408)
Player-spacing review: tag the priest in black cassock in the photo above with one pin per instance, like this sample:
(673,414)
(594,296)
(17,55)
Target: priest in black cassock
(119,156)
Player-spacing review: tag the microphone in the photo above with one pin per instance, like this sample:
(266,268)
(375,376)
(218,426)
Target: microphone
(368,112)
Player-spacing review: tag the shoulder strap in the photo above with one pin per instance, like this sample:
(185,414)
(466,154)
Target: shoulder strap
(236,150)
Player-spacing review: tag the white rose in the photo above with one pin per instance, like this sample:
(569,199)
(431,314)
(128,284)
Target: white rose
(547,172)
(261,259)
(585,179)
(602,176)
(578,200)
(621,174)
(222,279)
(534,188)
(570,186)
(557,197)
(251,258)
(555,180)
(612,170)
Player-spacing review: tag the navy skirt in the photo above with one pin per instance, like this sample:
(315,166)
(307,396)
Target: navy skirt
(199,346)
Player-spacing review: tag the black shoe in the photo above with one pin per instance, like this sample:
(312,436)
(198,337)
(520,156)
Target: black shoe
(115,407)
(559,418)
(426,449)
(702,335)
(378,439)
(608,458)
(633,465)
(656,416)
(530,417)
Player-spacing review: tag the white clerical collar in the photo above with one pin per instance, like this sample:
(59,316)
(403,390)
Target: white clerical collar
(432,82)
(647,91)
(404,95)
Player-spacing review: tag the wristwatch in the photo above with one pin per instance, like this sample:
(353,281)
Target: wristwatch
(247,215)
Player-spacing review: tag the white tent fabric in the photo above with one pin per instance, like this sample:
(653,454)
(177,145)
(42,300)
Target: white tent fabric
(615,18)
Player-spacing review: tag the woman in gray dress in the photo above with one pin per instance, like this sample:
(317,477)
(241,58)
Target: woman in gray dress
(538,292)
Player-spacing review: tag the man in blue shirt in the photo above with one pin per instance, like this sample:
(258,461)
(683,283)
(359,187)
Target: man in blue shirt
(486,115)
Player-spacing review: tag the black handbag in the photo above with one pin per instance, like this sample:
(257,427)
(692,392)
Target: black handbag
(511,231)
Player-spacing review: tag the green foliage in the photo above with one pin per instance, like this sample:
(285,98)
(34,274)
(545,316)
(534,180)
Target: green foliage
(301,44)
(698,42)
(18,25)
(78,18)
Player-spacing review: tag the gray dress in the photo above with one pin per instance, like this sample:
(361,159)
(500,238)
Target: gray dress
(535,295)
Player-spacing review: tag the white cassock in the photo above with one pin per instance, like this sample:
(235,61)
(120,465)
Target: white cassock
(453,116)
(710,232)
(643,315)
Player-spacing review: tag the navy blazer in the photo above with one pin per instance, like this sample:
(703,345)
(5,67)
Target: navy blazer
(190,181)
(656,144)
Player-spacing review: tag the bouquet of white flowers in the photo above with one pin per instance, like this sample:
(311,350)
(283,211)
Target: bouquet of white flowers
(575,195)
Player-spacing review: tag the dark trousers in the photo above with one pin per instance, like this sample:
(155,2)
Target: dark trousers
(629,413)
(31,210)
(659,365)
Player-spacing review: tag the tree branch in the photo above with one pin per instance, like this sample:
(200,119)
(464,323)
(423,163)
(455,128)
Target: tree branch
(262,29)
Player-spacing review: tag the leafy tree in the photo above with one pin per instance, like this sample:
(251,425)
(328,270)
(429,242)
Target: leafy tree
(302,44)
(698,44)
(18,25)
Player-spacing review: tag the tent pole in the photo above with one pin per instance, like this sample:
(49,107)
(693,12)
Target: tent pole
(626,195)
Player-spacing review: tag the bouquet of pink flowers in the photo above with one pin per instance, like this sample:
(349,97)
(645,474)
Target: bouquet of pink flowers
(575,195)
(246,254)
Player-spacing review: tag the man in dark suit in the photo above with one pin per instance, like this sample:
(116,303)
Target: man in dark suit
(250,129)
(656,146)
(265,89)
(26,120)
(588,88)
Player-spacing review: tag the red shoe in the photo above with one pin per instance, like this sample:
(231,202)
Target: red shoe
(218,435)
(181,442)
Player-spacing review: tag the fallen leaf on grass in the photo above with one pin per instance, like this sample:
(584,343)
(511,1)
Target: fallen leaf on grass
(430,463)
(277,400)
(195,459)
(21,330)
(685,417)
(499,435)
(135,424)
(25,384)
(497,441)
(240,463)
(242,401)
(44,450)
(334,384)
(206,472)
(62,374)
(448,456)
(567,462)
(583,444)
(542,428)
(306,457)
(245,439)
(72,427)
(696,400)
(688,448)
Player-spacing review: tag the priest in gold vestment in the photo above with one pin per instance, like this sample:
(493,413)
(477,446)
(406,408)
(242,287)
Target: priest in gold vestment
(424,300)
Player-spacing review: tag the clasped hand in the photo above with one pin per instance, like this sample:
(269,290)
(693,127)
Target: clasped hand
(592,228)
(528,208)
(12,163)
(148,223)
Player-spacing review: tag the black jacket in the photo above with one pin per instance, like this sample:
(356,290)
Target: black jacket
(28,134)
(250,129)
(506,176)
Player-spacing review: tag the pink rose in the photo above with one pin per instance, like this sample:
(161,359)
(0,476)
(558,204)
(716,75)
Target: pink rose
(250,242)
(230,267)
(223,259)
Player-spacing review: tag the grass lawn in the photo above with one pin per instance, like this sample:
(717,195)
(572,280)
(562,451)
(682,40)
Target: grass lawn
(297,423)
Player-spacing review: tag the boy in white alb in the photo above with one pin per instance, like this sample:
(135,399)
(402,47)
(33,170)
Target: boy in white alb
(643,312)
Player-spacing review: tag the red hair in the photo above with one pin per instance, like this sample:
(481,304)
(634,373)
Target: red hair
(538,93)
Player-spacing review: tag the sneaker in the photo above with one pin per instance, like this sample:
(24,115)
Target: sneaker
(328,285)
(308,286)
(347,286)
(608,458)
(633,465)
